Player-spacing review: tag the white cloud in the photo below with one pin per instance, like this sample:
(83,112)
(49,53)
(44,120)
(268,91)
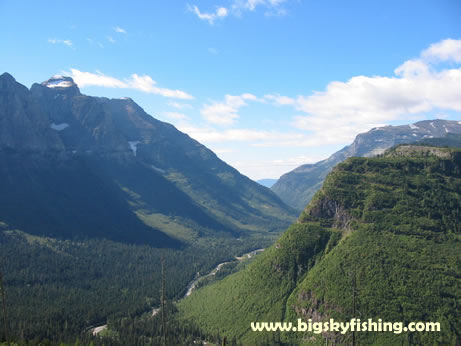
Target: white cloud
(446,50)
(178,105)
(267,168)
(147,84)
(272,6)
(220,113)
(251,5)
(110,39)
(254,161)
(142,83)
(212,50)
(419,88)
(176,115)
(55,41)
(345,109)
(280,100)
(220,13)
(219,151)
(211,135)
(119,30)
(225,113)
(289,163)
(84,79)
(412,68)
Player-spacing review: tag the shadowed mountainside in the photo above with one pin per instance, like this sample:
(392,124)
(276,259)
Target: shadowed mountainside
(75,165)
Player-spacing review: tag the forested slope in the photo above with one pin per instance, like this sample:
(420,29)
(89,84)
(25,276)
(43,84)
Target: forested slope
(387,228)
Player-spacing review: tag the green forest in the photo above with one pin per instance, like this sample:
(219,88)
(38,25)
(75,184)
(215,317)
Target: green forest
(57,290)
(381,238)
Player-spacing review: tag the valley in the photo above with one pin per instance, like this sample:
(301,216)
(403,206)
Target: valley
(230,173)
(86,215)
(192,286)
(90,209)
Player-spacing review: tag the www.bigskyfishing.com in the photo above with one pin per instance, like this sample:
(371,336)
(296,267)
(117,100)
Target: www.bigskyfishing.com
(354,325)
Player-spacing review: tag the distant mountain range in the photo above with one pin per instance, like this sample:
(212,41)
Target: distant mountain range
(267,182)
(296,188)
(79,166)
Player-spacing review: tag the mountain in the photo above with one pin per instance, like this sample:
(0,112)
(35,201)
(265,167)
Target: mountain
(76,165)
(296,188)
(450,140)
(95,194)
(380,239)
(266,182)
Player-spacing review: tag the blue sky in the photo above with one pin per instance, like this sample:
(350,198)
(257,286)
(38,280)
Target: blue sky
(267,84)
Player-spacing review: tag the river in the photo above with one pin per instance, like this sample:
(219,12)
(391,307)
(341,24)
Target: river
(193,284)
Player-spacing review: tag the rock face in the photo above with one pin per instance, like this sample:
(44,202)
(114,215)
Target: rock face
(296,188)
(74,164)
(418,150)
(20,128)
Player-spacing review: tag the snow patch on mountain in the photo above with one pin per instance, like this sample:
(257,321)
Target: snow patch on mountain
(62,84)
(59,127)
(133,146)
(158,169)
(59,82)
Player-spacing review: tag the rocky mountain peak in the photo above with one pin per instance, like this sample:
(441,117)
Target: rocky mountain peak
(57,84)
(6,77)
(9,84)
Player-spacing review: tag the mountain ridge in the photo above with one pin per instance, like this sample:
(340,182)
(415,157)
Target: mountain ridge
(386,228)
(298,186)
(54,121)
(96,195)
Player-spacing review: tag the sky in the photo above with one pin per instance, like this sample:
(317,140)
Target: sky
(267,85)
